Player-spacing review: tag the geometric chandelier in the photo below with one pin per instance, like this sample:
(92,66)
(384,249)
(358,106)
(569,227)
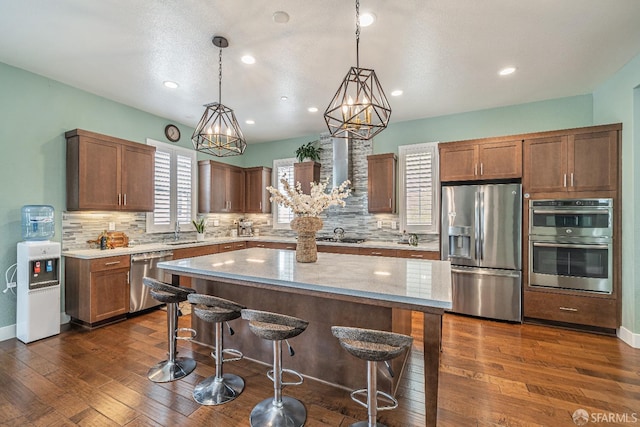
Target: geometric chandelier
(359,109)
(218,132)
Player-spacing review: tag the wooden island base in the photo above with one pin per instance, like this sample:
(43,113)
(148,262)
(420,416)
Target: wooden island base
(317,352)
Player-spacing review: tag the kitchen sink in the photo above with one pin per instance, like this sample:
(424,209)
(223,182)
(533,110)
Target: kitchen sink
(343,240)
(182,242)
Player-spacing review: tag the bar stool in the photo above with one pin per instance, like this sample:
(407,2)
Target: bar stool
(219,388)
(279,411)
(372,346)
(174,367)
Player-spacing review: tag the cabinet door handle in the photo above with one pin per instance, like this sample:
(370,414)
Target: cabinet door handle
(119,197)
(568,309)
(112,263)
(124,198)
(128,280)
(389,202)
(481,169)
(475,169)
(572,179)
(260,208)
(565,180)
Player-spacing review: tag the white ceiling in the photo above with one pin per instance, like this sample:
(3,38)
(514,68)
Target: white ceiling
(444,54)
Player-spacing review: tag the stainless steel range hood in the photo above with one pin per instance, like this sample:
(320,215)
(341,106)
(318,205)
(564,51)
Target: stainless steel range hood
(342,164)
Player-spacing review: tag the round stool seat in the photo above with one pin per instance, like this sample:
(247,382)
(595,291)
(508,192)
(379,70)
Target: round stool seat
(165,292)
(371,345)
(213,309)
(274,326)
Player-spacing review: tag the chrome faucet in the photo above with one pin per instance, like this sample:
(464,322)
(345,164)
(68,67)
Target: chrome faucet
(176,232)
(338,233)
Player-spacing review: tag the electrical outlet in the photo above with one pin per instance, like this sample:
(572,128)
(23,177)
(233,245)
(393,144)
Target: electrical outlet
(216,223)
(394,225)
(112,226)
(379,224)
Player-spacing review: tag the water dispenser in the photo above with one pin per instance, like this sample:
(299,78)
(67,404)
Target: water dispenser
(460,241)
(37,222)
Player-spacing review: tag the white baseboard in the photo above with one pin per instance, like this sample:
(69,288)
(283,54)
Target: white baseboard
(629,337)
(8,332)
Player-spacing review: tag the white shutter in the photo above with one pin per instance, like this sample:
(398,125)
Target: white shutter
(174,187)
(283,168)
(184,192)
(419,188)
(162,189)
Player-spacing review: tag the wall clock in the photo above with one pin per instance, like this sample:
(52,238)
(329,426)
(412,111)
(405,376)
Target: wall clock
(172,133)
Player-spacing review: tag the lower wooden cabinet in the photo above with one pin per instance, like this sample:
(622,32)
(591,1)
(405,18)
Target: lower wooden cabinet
(233,246)
(97,290)
(271,245)
(190,253)
(417,254)
(575,309)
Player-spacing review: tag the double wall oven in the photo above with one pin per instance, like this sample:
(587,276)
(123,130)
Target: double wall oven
(570,244)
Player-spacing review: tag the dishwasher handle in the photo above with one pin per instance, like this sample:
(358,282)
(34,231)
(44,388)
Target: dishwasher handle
(151,255)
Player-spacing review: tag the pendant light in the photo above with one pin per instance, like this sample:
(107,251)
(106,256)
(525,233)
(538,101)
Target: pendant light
(218,132)
(359,109)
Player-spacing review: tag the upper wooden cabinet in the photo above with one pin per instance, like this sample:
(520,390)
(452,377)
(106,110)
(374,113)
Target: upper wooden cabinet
(480,160)
(220,187)
(107,173)
(382,183)
(305,173)
(569,163)
(256,195)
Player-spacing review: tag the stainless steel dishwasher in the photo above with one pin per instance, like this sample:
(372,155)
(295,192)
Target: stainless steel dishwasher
(145,265)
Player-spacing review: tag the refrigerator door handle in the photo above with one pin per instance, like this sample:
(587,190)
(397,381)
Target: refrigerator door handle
(480,226)
(476,228)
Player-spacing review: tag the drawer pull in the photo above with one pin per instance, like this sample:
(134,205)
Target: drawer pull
(376,253)
(227,247)
(261,246)
(417,255)
(568,309)
(112,263)
(290,247)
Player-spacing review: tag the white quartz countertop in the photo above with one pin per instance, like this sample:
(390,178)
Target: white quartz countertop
(411,281)
(167,246)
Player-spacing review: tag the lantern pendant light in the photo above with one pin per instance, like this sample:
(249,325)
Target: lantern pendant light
(359,109)
(218,132)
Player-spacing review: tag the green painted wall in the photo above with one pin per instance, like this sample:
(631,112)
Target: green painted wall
(618,100)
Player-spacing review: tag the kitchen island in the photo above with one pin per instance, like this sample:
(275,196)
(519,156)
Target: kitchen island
(338,289)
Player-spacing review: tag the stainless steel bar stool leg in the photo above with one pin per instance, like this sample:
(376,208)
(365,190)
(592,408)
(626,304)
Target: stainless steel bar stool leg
(174,367)
(220,388)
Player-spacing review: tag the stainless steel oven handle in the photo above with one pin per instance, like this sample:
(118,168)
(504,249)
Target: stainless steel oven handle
(570,245)
(570,212)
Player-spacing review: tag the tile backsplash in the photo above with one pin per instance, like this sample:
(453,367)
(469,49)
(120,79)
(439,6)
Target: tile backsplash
(79,227)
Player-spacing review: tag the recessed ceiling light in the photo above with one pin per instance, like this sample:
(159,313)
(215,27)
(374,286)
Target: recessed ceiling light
(312,109)
(283,98)
(248,59)
(170,84)
(280,17)
(367,19)
(506,71)
(397,92)
(250,122)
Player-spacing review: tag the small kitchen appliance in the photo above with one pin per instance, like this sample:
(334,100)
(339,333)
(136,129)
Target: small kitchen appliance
(38,276)
(245,228)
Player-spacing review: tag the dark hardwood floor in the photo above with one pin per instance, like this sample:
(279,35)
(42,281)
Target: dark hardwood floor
(492,374)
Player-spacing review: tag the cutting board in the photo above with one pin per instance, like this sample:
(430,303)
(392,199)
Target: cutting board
(117,239)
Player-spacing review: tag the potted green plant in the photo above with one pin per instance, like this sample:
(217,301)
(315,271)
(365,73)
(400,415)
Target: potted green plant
(199,225)
(308,151)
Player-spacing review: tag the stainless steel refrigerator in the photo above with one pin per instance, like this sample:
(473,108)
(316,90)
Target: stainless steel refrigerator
(481,237)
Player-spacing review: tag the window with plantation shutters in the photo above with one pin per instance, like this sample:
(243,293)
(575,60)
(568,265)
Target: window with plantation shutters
(419,188)
(174,188)
(283,168)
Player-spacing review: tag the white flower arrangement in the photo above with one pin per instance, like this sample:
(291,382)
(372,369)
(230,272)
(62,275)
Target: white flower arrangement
(309,204)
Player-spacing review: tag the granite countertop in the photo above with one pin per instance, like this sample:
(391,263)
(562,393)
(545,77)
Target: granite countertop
(421,282)
(167,246)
